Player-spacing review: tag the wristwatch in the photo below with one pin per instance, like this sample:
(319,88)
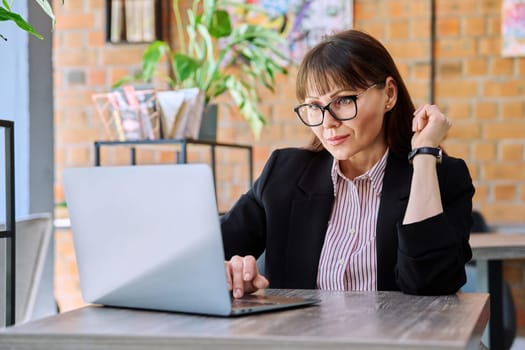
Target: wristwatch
(435,151)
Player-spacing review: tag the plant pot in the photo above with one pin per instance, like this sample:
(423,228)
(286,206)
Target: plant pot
(208,127)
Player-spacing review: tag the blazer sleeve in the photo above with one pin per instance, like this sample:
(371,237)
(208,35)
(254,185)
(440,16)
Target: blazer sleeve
(432,253)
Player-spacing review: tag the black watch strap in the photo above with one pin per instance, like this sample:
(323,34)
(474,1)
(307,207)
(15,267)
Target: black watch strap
(435,151)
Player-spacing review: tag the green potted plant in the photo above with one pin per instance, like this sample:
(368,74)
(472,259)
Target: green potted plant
(7,15)
(210,47)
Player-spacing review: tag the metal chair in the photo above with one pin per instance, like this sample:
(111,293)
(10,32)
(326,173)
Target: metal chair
(33,235)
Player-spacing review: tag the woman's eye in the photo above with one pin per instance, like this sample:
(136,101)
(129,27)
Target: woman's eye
(312,107)
(344,100)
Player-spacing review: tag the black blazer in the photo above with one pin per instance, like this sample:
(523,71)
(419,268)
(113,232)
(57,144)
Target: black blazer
(286,213)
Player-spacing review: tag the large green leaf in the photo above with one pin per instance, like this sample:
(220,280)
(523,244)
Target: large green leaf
(184,66)
(6,15)
(220,25)
(151,58)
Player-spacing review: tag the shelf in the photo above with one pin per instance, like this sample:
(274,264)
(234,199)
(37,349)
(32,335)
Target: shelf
(181,155)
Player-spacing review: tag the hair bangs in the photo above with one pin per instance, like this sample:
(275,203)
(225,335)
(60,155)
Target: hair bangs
(326,68)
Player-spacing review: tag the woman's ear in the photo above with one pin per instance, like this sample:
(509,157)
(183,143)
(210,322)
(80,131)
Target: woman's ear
(391,93)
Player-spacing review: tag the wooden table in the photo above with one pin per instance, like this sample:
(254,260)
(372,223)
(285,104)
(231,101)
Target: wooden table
(343,320)
(489,249)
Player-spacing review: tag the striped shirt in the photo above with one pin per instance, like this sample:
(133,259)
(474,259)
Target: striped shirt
(348,258)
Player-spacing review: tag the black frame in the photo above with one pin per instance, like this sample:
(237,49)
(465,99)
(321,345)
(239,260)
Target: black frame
(158,20)
(10,227)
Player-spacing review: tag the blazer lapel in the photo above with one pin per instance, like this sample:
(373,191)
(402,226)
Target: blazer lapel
(309,215)
(394,199)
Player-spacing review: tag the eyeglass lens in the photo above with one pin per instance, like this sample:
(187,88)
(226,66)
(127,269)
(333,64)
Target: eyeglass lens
(342,108)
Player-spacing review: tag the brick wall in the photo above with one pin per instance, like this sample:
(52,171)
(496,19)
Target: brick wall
(477,88)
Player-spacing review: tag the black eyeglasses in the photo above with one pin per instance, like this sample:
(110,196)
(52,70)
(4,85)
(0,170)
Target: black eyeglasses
(341,108)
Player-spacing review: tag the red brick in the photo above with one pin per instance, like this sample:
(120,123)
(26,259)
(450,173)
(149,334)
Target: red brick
(504,171)
(457,88)
(457,110)
(494,25)
(486,110)
(481,194)
(485,151)
(509,87)
(513,109)
(75,21)
(501,66)
(131,56)
(489,46)
(473,26)
(420,28)
(504,130)
(398,29)
(503,213)
(447,26)
(79,156)
(97,77)
(410,49)
(490,7)
(454,7)
(520,63)
(462,47)
(97,4)
(73,40)
(456,149)
(511,152)
(475,66)
(76,58)
(419,71)
(505,192)
(96,39)
(450,69)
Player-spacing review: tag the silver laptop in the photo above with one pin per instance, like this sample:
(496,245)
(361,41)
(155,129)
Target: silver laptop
(149,237)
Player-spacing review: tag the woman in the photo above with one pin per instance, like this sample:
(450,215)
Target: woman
(372,205)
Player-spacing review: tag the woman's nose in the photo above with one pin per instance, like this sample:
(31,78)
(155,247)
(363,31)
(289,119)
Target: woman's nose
(329,121)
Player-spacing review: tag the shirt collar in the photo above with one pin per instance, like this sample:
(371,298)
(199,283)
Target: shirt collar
(375,174)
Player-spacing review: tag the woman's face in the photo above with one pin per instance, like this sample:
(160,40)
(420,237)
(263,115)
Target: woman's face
(363,135)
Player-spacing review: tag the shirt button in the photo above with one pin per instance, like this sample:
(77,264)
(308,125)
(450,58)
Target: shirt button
(352,231)
(341,261)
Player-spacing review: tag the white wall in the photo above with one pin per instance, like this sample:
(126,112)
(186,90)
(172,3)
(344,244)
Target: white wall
(26,97)
(14,104)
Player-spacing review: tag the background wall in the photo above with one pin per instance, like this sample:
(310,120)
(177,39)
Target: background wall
(478,89)
(26,98)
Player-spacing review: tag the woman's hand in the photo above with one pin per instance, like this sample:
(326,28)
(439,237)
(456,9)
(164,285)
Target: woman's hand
(243,276)
(430,126)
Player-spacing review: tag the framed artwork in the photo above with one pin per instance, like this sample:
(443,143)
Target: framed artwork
(304,22)
(513,28)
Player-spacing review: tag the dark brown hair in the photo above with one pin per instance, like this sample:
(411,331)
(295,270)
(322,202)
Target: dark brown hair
(353,59)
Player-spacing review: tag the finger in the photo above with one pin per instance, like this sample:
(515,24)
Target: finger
(260,282)
(419,114)
(250,268)
(237,266)
(422,122)
(419,109)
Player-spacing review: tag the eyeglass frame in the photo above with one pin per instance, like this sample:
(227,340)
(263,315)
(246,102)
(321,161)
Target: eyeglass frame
(327,108)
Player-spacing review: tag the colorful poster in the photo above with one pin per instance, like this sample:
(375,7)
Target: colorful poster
(304,22)
(513,28)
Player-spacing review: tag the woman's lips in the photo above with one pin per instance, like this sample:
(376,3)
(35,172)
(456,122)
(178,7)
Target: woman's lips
(336,140)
